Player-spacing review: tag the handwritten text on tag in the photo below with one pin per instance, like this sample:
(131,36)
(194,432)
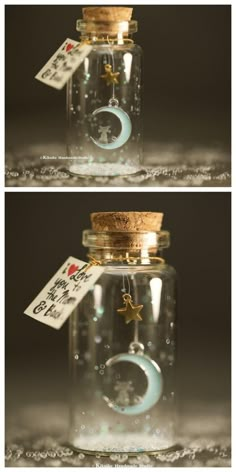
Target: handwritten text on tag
(61,66)
(63,292)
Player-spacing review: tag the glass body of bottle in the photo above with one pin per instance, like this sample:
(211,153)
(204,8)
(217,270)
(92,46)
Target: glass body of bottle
(123,371)
(104,103)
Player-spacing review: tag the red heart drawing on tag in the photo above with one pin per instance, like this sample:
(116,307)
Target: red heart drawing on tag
(69,47)
(73,268)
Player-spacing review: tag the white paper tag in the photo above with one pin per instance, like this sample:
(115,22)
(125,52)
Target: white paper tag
(62,65)
(63,292)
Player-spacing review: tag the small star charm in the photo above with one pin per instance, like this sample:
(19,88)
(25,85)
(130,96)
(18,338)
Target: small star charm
(130,312)
(110,77)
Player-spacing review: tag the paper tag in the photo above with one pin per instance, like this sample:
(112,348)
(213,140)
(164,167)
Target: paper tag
(63,292)
(62,65)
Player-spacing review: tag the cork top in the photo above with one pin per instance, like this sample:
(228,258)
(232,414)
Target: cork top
(107,20)
(107,13)
(126,221)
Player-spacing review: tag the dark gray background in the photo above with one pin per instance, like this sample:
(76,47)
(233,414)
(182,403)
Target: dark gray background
(43,229)
(187,74)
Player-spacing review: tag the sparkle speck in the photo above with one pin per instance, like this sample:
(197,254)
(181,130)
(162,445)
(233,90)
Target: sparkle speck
(99,312)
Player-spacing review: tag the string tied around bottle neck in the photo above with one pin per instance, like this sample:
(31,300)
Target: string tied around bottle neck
(94,261)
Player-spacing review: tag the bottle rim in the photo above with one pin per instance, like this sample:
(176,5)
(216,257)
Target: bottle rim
(106,27)
(130,240)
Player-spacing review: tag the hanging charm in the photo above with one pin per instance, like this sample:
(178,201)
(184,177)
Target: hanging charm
(125,123)
(110,77)
(112,108)
(131,312)
(154,382)
(126,401)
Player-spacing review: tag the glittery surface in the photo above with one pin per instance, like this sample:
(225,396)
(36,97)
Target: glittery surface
(36,437)
(167,165)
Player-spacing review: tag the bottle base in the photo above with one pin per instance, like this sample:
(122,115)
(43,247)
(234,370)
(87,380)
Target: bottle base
(175,448)
(103,170)
(130,452)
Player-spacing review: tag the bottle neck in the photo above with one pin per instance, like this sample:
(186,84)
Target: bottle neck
(126,248)
(106,40)
(125,257)
(106,33)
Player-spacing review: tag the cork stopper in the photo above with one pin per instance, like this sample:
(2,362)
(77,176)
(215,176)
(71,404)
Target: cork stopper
(107,13)
(126,221)
(107,20)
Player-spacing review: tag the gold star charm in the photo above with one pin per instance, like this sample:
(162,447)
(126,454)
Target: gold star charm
(110,77)
(130,312)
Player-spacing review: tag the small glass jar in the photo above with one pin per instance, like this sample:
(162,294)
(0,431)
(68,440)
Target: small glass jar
(122,371)
(103,98)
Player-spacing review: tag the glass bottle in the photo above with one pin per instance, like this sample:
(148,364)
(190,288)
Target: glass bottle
(122,370)
(103,96)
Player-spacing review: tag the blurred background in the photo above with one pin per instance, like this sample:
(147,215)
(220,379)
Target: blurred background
(43,229)
(186,82)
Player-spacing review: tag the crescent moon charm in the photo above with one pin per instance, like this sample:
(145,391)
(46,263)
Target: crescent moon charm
(154,388)
(126,127)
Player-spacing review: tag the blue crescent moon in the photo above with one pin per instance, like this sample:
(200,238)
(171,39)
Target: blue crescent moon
(154,388)
(126,127)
